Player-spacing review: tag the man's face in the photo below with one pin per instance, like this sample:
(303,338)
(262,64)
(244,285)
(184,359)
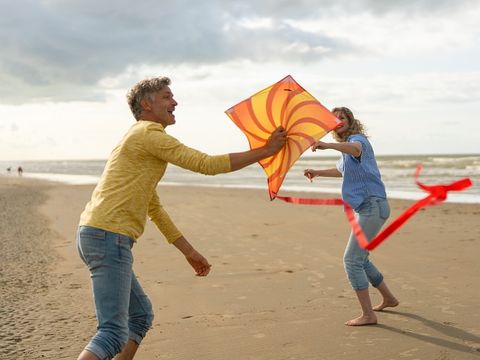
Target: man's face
(161,106)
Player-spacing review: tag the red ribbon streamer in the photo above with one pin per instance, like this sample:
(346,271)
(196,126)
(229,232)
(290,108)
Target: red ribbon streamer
(437,195)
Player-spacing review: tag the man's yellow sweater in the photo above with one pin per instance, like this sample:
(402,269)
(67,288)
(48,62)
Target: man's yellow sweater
(126,193)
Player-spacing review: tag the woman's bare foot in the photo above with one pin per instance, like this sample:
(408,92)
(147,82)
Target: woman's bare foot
(391,302)
(370,319)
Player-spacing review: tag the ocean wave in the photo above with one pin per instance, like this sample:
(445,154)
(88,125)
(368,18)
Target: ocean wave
(397,173)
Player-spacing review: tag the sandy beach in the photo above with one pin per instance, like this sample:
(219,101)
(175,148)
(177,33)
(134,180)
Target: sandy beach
(277,289)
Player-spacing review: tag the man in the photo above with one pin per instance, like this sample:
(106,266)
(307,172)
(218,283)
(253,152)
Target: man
(116,214)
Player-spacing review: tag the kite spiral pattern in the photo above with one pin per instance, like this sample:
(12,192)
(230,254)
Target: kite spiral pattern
(285,104)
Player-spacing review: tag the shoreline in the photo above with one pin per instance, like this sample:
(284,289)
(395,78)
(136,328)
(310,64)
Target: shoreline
(66,179)
(277,288)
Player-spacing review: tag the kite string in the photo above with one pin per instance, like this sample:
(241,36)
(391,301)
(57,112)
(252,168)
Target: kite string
(437,194)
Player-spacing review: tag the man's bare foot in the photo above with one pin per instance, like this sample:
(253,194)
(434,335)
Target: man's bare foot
(363,320)
(392,302)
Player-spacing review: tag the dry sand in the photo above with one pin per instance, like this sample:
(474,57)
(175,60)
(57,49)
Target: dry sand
(277,289)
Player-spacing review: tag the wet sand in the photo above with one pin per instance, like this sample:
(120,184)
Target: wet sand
(277,289)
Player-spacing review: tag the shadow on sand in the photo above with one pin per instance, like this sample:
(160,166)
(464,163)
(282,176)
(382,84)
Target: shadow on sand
(444,328)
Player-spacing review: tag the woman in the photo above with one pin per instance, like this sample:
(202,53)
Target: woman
(364,190)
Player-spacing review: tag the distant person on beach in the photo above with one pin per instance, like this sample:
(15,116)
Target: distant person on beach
(116,214)
(9,169)
(364,190)
(20,171)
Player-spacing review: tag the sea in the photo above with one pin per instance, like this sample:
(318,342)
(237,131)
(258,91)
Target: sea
(397,174)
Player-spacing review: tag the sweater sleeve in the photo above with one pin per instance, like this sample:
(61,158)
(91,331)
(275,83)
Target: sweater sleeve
(169,149)
(161,218)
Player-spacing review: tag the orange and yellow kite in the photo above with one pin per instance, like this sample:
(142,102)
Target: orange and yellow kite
(285,104)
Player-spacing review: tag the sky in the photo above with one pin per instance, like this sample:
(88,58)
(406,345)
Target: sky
(409,70)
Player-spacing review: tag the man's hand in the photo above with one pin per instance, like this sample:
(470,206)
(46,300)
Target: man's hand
(276,141)
(198,263)
(194,258)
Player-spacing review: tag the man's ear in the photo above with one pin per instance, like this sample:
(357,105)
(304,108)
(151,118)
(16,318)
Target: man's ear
(146,105)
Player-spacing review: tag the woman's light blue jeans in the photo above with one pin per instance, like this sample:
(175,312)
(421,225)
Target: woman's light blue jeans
(371,215)
(122,308)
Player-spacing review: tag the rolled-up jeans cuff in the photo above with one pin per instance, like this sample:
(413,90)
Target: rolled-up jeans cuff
(97,350)
(135,337)
(376,282)
(359,287)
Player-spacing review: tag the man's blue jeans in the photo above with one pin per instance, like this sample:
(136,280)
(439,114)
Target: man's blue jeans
(371,215)
(122,308)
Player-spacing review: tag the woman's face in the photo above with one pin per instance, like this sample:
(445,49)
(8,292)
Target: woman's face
(340,130)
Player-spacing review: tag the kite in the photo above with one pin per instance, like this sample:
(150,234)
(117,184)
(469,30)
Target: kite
(285,104)
(306,120)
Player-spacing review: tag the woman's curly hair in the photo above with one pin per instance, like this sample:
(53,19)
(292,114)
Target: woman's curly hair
(354,125)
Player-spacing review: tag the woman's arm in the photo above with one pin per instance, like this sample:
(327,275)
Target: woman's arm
(351,148)
(310,173)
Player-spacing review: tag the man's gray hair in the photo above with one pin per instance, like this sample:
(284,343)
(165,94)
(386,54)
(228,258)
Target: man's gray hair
(141,90)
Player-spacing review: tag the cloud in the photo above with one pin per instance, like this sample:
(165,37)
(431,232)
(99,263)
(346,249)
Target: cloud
(410,7)
(61,50)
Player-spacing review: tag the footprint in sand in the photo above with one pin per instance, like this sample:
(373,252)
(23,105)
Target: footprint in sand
(75,286)
(408,353)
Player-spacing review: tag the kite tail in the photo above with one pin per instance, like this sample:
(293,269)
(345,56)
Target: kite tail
(437,195)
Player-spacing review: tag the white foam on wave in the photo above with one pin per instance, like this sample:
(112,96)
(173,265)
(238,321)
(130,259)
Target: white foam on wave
(66,178)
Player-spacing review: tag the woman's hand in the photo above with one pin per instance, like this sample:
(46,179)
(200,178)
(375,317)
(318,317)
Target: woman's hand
(320,145)
(309,174)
